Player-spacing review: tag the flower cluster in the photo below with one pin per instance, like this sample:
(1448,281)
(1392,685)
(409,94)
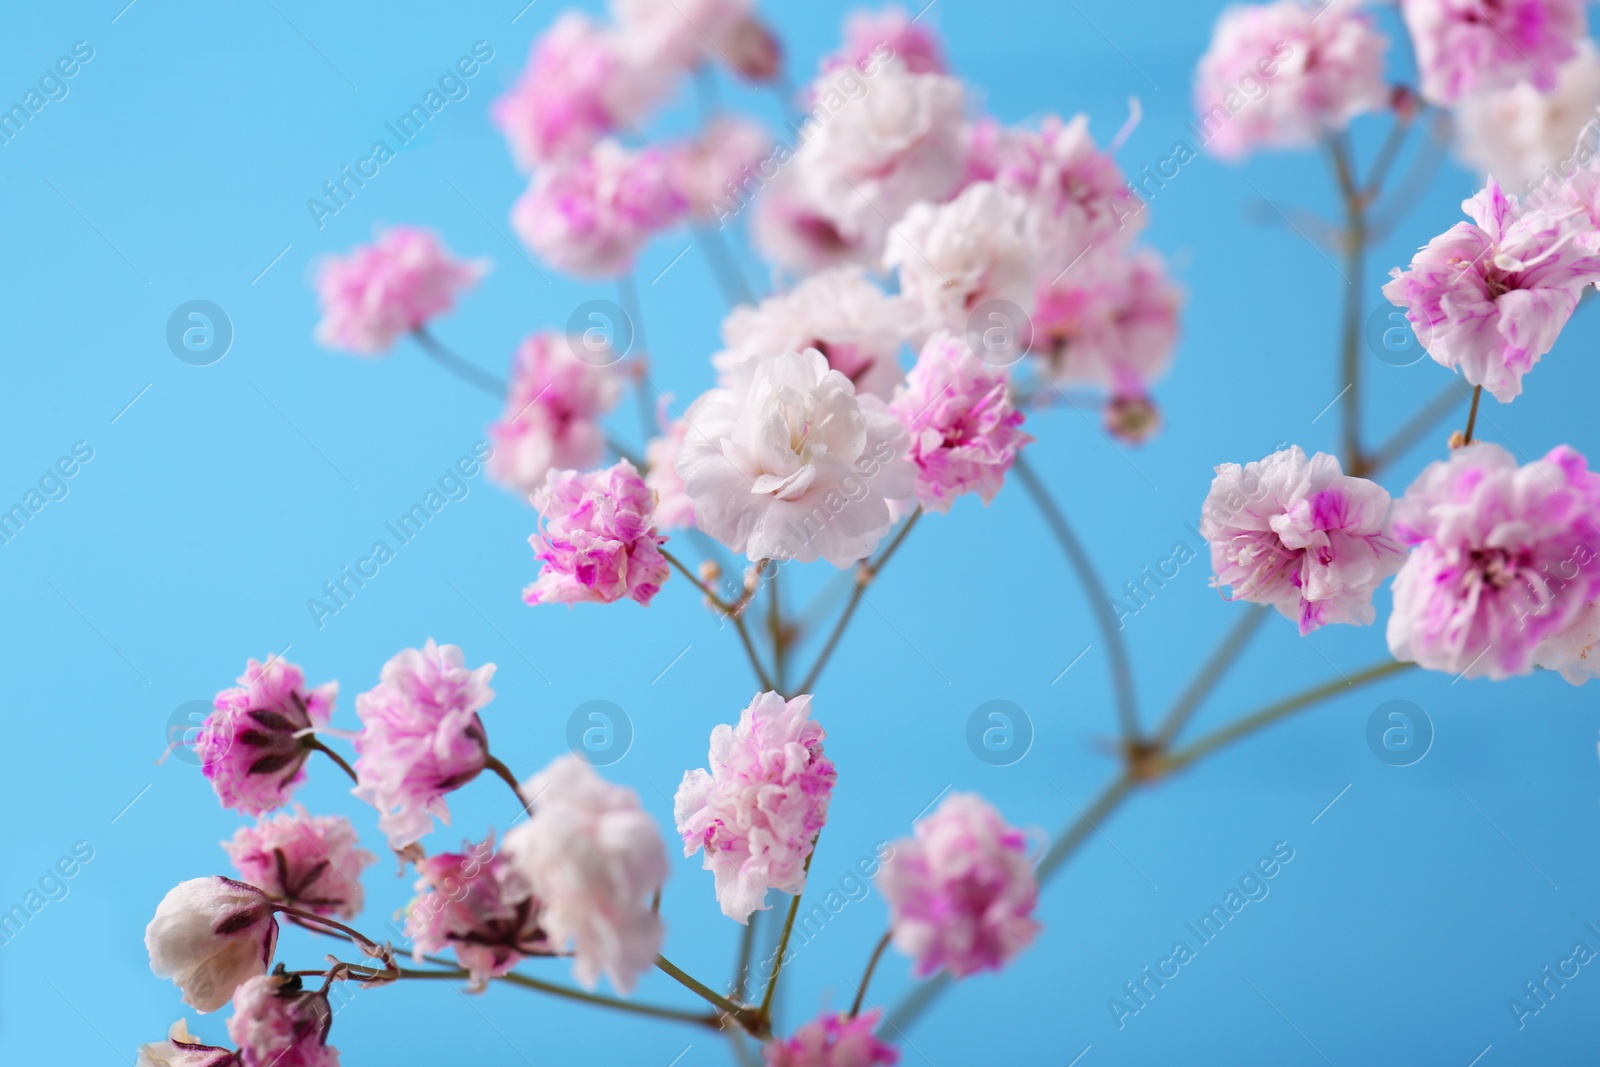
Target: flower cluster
(254,745)
(559,390)
(597,539)
(390,287)
(472,903)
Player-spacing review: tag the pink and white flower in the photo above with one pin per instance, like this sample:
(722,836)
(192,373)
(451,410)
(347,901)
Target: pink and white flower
(209,935)
(869,35)
(421,738)
(798,235)
(597,539)
(1111,321)
(590,215)
(1526,138)
(1285,74)
(180,1049)
(592,857)
(758,811)
(253,747)
(833,1041)
(1572,650)
(952,258)
(393,286)
(674,509)
(961,892)
(470,902)
(1301,535)
(1466,46)
(304,861)
(965,433)
(788,462)
(710,170)
(841,313)
(685,33)
(277,1023)
(1491,296)
(1502,558)
(560,388)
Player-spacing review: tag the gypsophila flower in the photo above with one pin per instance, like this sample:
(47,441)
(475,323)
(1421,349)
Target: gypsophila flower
(833,1041)
(1527,139)
(1286,74)
(790,463)
(758,811)
(1491,296)
(469,904)
(180,1049)
(952,258)
(1110,321)
(1502,557)
(560,388)
(890,32)
(254,745)
(279,1024)
(710,170)
(798,235)
(961,892)
(1466,46)
(674,509)
(965,433)
(393,286)
(421,738)
(597,539)
(304,861)
(209,935)
(1301,535)
(591,856)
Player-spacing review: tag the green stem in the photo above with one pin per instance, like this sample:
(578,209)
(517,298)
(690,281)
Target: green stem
(1411,432)
(468,372)
(700,989)
(866,979)
(1200,687)
(1355,245)
(869,573)
(775,629)
(609,1002)
(783,940)
(628,293)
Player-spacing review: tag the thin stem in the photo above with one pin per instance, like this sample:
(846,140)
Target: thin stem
(747,944)
(603,1001)
(1099,601)
(866,979)
(1472,416)
(730,279)
(1386,156)
(694,579)
(1411,432)
(767,684)
(1355,248)
(359,939)
(775,630)
(783,940)
(310,741)
(470,373)
(868,573)
(628,292)
(700,989)
(1200,687)
(493,764)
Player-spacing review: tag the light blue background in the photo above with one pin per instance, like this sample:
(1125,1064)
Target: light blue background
(178,168)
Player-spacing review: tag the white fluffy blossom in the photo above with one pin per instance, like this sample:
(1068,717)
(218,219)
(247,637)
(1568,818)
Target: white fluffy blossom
(1515,133)
(1573,651)
(981,246)
(210,935)
(787,462)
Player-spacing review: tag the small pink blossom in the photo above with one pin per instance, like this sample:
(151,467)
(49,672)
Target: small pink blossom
(1573,650)
(180,1049)
(597,539)
(560,387)
(421,738)
(711,171)
(209,935)
(1285,74)
(758,811)
(591,215)
(890,32)
(833,1041)
(1502,558)
(794,232)
(254,745)
(304,861)
(1466,46)
(1110,321)
(390,287)
(952,258)
(1301,535)
(961,892)
(1491,296)
(595,860)
(278,1024)
(965,432)
(674,509)
(684,33)
(468,904)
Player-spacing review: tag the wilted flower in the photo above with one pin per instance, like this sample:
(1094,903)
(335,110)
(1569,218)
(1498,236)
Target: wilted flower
(279,1024)
(304,861)
(469,903)
(180,1049)
(253,747)
(208,936)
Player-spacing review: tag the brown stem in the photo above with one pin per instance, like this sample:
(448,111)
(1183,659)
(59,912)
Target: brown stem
(491,763)
(310,741)
(866,979)
(1472,416)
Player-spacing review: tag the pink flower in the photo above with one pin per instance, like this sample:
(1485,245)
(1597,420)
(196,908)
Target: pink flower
(304,861)
(254,746)
(868,34)
(833,1041)
(421,738)
(595,860)
(591,215)
(952,258)
(759,810)
(961,892)
(1572,650)
(467,904)
(1502,558)
(560,387)
(278,1024)
(390,287)
(1285,74)
(1526,138)
(964,431)
(597,539)
(209,935)
(576,89)
(674,509)
(1110,321)
(710,170)
(857,327)
(1492,296)
(788,462)
(1301,535)
(180,1049)
(795,233)
(1464,46)
(684,33)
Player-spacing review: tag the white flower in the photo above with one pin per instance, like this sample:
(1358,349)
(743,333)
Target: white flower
(1515,133)
(658,34)
(788,463)
(882,142)
(981,246)
(594,860)
(182,1050)
(210,935)
(856,325)
(1573,650)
